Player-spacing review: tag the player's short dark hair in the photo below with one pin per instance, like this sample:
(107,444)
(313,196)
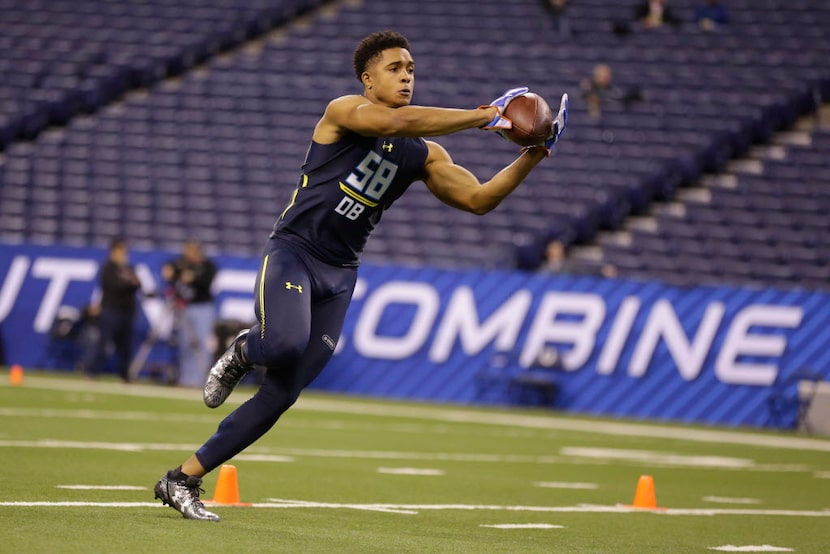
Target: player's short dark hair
(371,47)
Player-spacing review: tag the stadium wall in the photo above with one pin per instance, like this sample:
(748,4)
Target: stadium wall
(612,347)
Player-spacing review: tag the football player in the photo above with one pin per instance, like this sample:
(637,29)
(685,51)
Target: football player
(365,151)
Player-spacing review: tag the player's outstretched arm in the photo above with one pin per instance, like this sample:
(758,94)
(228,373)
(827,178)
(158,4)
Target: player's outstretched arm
(458,187)
(359,115)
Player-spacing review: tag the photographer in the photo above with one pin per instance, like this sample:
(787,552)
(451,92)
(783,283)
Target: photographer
(189,280)
(115,313)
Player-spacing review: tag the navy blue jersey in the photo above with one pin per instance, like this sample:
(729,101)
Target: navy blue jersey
(343,191)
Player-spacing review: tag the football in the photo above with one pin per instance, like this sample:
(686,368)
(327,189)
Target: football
(531,117)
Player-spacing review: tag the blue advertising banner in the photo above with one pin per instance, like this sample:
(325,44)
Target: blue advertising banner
(719,355)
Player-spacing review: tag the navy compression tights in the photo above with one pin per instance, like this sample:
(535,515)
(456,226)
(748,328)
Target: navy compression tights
(300,304)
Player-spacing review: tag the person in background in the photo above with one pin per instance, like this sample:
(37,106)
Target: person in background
(116,311)
(557,261)
(655,13)
(559,19)
(600,89)
(711,15)
(189,280)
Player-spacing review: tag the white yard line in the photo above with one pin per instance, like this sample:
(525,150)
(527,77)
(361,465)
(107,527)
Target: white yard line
(411,471)
(99,445)
(751,548)
(101,487)
(470,416)
(670,459)
(662,458)
(728,500)
(99,415)
(412,509)
(277,503)
(523,526)
(571,455)
(261,454)
(561,485)
(263,458)
(44,504)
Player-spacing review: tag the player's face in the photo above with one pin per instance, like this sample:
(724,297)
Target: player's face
(392,77)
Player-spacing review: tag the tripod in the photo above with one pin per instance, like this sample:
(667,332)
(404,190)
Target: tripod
(162,329)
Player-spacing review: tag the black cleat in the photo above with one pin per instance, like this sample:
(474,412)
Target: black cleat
(226,373)
(183,496)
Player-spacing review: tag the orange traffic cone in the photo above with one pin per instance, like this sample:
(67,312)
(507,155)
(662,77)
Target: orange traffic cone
(16,375)
(227,488)
(644,497)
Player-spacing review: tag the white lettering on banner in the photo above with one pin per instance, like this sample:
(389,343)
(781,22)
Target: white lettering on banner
(569,319)
(620,329)
(145,277)
(12,284)
(60,272)
(581,334)
(360,288)
(155,308)
(234,280)
(663,323)
(237,281)
(740,342)
(461,322)
(237,309)
(369,343)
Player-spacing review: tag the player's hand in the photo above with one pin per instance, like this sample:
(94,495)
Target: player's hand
(558,126)
(500,123)
(559,123)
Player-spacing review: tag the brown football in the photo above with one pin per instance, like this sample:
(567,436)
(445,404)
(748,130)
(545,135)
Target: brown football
(531,117)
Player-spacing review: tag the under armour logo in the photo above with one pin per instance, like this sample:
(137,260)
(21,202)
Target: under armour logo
(289,285)
(387,146)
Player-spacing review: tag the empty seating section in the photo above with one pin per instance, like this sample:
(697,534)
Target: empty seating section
(211,144)
(59,58)
(771,229)
(62,61)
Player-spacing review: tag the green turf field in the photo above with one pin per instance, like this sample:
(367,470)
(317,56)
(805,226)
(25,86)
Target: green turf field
(340,474)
